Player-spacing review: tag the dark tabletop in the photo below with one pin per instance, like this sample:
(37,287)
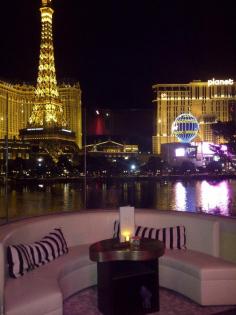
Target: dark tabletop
(113,250)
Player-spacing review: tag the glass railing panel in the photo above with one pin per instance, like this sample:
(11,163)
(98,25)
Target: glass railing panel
(4,153)
(39,198)
(34,184)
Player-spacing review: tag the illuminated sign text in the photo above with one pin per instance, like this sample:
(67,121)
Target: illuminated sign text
(220,82)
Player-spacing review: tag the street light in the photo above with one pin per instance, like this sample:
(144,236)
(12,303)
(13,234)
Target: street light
(133,167)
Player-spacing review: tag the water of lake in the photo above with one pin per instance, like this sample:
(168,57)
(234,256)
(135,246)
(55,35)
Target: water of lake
(215,197)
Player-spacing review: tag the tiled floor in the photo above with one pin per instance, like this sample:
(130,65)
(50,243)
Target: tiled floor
(171,303)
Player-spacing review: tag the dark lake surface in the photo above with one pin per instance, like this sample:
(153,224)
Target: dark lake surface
(215,197)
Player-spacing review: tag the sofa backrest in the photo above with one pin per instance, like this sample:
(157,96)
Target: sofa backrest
(202,232)
(78,228)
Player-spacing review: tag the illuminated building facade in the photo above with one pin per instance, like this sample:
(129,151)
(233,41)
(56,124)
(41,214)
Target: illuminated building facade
(198,153)
(209,102)
(112,148)
(16,149)
(47,124)
(15,108)
(16,103)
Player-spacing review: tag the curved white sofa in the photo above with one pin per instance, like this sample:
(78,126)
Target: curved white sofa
(197,272)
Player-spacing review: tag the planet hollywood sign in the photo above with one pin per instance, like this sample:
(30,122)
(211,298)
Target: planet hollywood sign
(213,82)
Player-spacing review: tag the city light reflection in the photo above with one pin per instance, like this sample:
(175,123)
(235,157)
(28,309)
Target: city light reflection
(180,197)
(214,197)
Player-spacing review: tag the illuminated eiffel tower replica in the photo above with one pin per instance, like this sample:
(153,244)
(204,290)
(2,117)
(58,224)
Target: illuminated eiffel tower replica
(47,126)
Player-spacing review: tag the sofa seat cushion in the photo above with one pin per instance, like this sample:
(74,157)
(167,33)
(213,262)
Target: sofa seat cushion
(38,292)
(35,293)
(199,265)
(77,257)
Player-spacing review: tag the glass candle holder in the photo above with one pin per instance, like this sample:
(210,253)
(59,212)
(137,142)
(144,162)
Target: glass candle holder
(135,240)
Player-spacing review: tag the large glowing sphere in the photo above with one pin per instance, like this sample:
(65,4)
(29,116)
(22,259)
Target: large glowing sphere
(185,127)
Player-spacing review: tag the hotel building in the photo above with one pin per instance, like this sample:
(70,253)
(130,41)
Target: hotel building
(209,102)
(16,102)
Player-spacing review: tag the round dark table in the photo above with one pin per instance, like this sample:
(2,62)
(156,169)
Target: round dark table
(127,276)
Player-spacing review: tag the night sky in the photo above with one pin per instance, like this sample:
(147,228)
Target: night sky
(117,49)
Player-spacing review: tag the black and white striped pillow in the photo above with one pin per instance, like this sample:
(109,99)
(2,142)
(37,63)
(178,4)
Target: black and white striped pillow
(25,257)
(116,228)
(173,237)
(19,260)
(53,245)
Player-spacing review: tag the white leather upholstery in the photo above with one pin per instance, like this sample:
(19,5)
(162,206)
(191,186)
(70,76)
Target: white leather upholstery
(199,265)
(60,278)
(39,292)
(196,272)
(203,278)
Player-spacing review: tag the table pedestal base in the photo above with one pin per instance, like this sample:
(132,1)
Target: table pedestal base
(128,287)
